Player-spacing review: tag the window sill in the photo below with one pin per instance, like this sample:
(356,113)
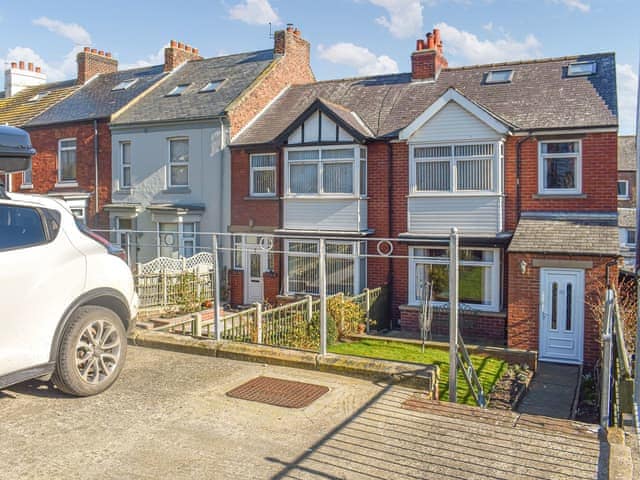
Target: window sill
(323,197)
(624,198)
(65,184)
(454,195)
(271,197)
(26,186)
(172,190)
(557,196)
(464,311)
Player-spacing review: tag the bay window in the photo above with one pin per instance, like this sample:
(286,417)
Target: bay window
(454,168)
(345,269)
(326,171)
(559,167)
(479,277)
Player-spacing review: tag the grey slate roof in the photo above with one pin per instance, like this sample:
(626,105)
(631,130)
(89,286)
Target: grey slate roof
(627,217)
(96,99)
(238,72)
(540,96)
(627,153)
(577,237)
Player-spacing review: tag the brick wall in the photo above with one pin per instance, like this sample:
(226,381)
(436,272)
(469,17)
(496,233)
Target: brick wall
(93,62)
(292,68)
(599,160)
(489,328)
(524,302)
(236,287)
(45,164)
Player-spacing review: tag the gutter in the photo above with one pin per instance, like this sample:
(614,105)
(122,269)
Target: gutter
(95,162)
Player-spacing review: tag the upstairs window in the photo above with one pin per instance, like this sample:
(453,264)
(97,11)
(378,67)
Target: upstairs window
(211,86)
(263,175)
(579,69)
(179,162)
(124,84)
(623,189)
(499,76)
(125,164)
(453,168)
(559,167)
(67,160)
(178,90)
(325,171)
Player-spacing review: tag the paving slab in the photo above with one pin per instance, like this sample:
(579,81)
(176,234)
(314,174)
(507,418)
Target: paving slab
(168,416)
(552,391)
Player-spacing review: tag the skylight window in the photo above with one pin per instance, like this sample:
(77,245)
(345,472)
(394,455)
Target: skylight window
(124,84)
(499,76)
(578,69)
(39,96)
(178,90)
(211,86)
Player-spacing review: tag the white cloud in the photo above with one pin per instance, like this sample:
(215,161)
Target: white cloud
(584,7)
(254,12)
(488,26)
(468,47)
(627,81)
(72,31)
(404,17)
(361,58)
(151,59)
(65,69)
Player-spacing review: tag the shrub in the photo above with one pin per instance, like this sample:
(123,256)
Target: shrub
(346,314)
(313,330)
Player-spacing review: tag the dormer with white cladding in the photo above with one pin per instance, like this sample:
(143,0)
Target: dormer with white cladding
(325,170)
(456,168)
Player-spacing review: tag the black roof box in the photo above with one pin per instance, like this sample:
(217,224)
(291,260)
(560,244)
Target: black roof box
(15,149)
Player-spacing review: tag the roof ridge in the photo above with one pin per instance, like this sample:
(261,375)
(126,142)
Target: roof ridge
(230,55)
(530,61)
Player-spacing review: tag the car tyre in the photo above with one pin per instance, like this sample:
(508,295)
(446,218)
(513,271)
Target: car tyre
(92,352)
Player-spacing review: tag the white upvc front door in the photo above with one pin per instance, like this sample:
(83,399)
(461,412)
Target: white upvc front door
(561,315)
(255,265)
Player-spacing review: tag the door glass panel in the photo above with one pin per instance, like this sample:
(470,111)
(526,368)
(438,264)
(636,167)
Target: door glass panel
(255,266)
(554,306)
(569,305)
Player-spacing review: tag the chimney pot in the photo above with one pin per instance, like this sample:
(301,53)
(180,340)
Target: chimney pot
(94,50)
(181,45)
(30,66)
(38,70)
(430,42)
(297,32)
(87,49)
(21,65)
(195,51)
(14,65)
(419,44)
(173,44)
(101,53)
(108,54)
(289,27)
(188,48)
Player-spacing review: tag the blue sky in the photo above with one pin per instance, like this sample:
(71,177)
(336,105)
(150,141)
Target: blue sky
(348,37)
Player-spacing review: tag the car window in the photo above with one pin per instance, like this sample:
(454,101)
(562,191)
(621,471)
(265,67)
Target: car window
(20,227)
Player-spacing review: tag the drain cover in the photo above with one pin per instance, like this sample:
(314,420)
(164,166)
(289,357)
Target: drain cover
(282,393)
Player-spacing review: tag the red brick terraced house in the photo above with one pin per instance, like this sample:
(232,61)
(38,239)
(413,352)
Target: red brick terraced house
(519,156)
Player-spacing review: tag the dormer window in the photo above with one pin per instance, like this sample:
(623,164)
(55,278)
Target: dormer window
(39,96)
(211,86)
(499,76)
(579,69)
(178,90)
(124,84)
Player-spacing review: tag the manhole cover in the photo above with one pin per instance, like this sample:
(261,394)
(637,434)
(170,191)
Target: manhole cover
(282,393)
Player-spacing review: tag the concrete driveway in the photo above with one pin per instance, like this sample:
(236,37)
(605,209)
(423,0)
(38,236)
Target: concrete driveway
(168,417)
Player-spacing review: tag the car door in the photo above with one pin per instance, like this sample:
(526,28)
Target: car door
(41,274)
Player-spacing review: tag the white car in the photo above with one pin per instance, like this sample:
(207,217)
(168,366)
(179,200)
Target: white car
(67,298)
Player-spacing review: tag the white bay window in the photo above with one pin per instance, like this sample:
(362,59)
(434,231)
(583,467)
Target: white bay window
(479,277)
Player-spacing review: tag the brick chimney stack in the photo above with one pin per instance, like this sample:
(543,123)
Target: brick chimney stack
(93,62)
(289,42)
(427,61)
(21,75)
(177,53)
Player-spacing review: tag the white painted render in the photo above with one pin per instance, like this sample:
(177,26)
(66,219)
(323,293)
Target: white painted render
(334,214)
(318,127)
(472,215)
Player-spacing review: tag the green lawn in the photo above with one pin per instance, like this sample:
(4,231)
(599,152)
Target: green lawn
(489,369)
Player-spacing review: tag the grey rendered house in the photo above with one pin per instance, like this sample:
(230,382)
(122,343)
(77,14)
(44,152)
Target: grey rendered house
(627,191)
(170,163)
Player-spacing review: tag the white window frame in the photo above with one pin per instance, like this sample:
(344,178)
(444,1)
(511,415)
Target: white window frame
(80,213)
(27,184)
(253,169)
(177,164)
(124,166)
(542,173)
(494,265)
(184,238)
(492,76)
(496,169)
(73,182)
(355,165)
(357,246)
(625,195)
(593,70)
